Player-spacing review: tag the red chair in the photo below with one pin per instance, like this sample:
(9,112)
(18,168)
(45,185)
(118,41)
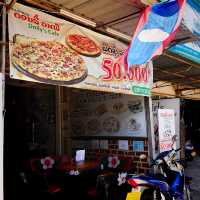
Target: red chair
(109,166)
(113,163)
(43,177)
(112,166)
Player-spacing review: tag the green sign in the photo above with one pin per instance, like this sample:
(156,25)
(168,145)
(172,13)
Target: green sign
(143,91)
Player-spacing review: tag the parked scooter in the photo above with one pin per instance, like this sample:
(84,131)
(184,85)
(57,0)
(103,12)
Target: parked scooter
(170,184)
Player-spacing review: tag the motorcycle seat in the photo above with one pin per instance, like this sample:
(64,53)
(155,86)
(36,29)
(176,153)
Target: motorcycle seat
(188,179)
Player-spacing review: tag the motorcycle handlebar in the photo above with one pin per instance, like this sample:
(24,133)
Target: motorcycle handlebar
(156,162)
(152,164)
(178,149)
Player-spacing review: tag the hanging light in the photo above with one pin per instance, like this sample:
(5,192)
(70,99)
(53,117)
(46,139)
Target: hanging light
(78,18)
(119,34)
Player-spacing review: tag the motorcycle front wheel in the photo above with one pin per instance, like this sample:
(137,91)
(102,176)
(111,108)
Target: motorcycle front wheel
(187,194)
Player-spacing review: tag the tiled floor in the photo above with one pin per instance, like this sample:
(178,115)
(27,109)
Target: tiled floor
(193,170)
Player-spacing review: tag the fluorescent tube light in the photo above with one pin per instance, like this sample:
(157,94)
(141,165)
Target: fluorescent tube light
(119,34)
(78,18)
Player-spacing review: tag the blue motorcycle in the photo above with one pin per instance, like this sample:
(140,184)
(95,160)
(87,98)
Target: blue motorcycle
(169,184)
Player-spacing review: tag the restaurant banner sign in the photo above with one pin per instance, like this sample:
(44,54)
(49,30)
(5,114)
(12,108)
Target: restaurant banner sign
(166,123)
(47,49)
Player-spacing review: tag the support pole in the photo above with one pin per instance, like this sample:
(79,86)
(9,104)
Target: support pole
(2,96)
(150,131)
(1,138)
(59,136)
(3,52)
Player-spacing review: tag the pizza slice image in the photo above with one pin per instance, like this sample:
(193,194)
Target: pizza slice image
(111,124)
(83,45)
(47,61)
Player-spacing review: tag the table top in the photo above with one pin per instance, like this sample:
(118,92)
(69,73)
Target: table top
(80,166)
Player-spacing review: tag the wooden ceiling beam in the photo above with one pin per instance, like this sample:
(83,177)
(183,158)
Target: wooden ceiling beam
(81,4)
(119,19)
(181,59)
(183,78)
(43,5)
(170,73)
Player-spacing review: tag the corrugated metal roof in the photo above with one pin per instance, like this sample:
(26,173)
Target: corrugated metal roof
(121,15)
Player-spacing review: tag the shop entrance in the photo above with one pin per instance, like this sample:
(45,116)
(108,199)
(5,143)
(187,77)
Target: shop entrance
(29,131)
(191,113)
(111,128)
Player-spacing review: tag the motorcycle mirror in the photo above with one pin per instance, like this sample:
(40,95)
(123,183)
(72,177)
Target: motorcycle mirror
(174,138)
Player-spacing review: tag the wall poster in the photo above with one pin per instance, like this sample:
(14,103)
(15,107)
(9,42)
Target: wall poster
(138,146)
(166,129)
(47,49)
(123,145)
(166,104)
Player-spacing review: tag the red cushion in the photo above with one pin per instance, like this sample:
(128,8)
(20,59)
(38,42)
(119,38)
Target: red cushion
(127,163)
(53,188)
(92,192)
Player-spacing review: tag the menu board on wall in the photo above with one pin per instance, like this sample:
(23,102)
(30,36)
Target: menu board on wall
(107,114)
(47,49)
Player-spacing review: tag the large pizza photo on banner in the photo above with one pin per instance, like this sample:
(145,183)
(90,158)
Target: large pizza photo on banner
(47,61)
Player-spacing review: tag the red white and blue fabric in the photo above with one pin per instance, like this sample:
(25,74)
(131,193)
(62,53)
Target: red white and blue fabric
(156,28)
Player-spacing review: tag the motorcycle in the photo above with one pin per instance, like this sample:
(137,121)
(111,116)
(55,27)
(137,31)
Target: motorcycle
(169,184)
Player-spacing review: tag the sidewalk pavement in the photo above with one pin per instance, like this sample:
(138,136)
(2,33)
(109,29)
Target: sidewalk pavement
(193,170)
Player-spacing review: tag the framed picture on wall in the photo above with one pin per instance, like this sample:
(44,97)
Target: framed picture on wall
(138,146)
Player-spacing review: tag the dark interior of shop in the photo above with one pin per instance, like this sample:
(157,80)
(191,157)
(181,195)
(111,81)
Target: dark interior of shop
(191,118)
(29,131)
(30,127)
